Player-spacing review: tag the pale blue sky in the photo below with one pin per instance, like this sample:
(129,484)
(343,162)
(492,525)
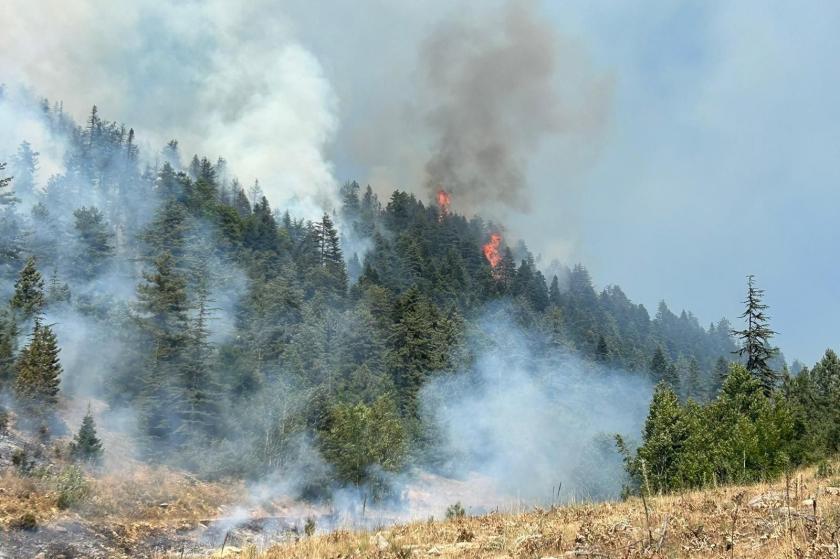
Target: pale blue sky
(722,158)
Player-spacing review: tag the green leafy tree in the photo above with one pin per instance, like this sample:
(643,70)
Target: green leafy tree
(361,440)
(755,338)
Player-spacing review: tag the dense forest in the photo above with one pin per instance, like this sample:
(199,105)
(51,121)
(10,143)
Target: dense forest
(233,335)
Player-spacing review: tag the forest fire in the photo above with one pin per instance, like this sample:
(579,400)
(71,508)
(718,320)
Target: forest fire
(444,199)
(491,250)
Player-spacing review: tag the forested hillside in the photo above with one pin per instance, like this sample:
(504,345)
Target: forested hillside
(230,335)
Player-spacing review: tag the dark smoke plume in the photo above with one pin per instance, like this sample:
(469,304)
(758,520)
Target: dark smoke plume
(495,95)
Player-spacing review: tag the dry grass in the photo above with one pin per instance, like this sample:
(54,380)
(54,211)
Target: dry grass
(765,520)
(125,508)
(798,517)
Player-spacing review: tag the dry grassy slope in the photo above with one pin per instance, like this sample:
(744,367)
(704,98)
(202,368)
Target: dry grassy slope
(798,517)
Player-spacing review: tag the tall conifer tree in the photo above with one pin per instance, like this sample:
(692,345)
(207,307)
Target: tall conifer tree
(755,338)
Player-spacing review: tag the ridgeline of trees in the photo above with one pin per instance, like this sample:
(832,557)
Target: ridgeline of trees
(761,423)
(330,348)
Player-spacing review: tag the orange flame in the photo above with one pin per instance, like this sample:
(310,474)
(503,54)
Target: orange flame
(443,200)
(491,250)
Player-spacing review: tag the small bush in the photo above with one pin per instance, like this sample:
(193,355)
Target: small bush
(72,487)
(26,521)
(309,526)
(5,418)
(21,462)
(824,470)
(455,511)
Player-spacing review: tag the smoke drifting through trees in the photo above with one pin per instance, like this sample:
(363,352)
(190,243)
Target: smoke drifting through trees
(496,91)
(226,82)
(531,422)
(272,365)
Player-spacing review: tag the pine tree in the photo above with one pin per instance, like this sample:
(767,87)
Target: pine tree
(719,374)
(25,169)
(755,338)
(199,392)
(331,258)
(8,345)
(86,446)
(692,388)
(659,365)
(39,370)
(554,292)
(171,155)
(95,240)
(662,439)
(58,292)
(602,351)
(7,198)
(240,200)
(28,300)
(163,324)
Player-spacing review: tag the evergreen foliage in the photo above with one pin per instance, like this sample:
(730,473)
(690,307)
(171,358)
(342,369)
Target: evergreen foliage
(95,241)
(28,300)
(86,446)
(38,371)
(755,338)
(311,333)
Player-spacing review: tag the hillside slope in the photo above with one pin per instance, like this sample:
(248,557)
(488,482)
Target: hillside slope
(794,517)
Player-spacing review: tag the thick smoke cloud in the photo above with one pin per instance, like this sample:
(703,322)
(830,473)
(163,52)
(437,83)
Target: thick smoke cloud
(541,429)
(497,88)
(227,80)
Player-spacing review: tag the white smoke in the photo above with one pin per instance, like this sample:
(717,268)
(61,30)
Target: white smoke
(541,428)
(225,79)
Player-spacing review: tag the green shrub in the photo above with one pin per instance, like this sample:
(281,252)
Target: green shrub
(72,487)
(309,526)
(455,511)
(26,521)
(4,420)
(21,462)
(824,469)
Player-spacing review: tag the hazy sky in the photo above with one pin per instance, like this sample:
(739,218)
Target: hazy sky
(690,144)
(722,158)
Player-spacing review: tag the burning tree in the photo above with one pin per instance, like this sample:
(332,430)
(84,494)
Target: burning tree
(491,250)
(444,200)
